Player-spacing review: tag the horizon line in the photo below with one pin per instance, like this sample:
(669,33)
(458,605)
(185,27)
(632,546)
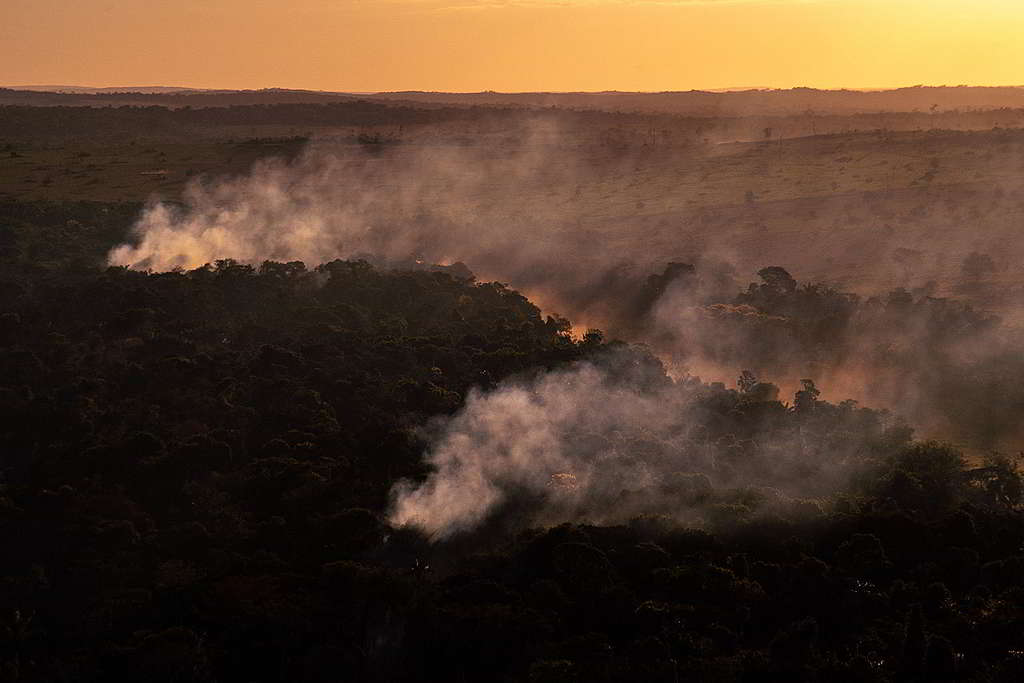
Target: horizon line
(732,89)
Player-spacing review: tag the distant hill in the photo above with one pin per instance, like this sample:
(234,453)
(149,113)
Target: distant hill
(85,90)
(690,103)
(744,102)
(112,97)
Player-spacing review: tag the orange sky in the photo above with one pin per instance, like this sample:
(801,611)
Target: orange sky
(511,45)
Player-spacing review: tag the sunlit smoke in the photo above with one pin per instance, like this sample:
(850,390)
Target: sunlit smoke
(559,220)
(612,439)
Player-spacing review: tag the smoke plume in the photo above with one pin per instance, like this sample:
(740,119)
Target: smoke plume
(612,439)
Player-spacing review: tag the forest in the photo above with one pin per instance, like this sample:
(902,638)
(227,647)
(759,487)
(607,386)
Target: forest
(197,473)
(385,467)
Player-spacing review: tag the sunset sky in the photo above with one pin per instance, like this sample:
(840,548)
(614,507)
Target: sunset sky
(511,45)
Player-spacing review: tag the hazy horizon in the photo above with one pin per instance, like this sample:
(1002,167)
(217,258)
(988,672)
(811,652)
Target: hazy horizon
(127,87)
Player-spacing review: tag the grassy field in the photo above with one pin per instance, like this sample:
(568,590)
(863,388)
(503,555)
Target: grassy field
(869,211)
(866,211)
(133,171)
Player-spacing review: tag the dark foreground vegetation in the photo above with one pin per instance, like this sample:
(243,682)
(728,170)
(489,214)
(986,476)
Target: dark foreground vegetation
(197,465)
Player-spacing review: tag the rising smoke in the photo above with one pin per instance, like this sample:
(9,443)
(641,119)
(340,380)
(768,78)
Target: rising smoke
(615,438)
(532,210)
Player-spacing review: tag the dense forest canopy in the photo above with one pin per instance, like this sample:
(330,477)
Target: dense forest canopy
(199,466)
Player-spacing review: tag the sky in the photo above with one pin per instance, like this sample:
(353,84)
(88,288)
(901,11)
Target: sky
(511,45)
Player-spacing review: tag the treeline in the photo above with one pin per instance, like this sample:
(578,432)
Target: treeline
(692,103)
(61,122)
(184,98)
(48,123)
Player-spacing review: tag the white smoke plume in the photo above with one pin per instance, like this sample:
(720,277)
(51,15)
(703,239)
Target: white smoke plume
(518,438)
(439,202)
(609,440)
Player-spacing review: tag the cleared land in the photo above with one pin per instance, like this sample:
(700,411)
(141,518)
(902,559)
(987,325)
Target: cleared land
(867,210)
